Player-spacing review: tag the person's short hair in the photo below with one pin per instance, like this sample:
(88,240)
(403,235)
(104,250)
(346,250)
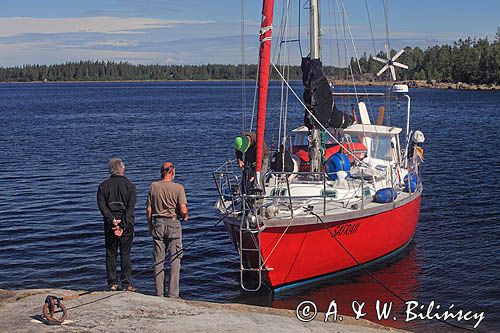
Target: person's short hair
(116,166)
(168,169)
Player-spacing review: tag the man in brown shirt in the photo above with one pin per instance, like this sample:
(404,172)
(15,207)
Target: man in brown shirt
(166,202)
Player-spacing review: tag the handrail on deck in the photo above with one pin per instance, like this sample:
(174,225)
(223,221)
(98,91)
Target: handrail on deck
(229,177)
(226,176)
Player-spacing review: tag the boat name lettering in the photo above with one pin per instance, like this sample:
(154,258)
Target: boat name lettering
(346,229)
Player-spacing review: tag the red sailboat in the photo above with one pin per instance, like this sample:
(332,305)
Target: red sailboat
(341,194)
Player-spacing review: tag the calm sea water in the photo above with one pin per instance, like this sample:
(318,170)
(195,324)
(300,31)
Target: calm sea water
(55,141)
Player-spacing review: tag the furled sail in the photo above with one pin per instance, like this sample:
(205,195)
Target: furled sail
(264,63)
(319,99)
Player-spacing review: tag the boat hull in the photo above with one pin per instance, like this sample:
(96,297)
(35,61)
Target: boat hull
(308,252)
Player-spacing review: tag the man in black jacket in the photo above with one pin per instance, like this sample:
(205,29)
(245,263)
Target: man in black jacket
(245,146)
(116,198)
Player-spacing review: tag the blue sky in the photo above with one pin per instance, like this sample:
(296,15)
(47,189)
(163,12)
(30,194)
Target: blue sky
(209,31)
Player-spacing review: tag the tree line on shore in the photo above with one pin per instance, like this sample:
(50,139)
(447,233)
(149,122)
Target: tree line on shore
(473,61)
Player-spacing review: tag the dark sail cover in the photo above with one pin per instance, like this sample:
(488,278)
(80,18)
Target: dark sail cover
(319,99)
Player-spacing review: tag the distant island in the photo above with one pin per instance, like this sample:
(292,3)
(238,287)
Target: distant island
(468,64)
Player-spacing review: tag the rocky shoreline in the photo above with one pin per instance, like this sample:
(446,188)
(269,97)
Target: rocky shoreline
(434,84)
(105,311)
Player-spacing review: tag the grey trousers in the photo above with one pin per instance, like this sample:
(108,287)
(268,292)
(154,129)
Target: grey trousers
(167,237)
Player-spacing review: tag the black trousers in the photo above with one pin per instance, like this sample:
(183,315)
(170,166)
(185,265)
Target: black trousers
(112,243)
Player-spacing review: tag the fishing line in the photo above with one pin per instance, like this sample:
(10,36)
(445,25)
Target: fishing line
(373,276)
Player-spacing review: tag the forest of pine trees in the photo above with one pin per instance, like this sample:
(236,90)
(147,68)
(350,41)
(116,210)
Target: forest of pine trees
(468,61)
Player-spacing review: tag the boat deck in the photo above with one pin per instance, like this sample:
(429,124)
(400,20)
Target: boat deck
(334,211)
(326,199)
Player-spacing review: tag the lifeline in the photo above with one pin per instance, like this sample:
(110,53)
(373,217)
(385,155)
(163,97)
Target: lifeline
(458,315)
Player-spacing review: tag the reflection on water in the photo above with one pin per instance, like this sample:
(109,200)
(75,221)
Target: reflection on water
(400,276)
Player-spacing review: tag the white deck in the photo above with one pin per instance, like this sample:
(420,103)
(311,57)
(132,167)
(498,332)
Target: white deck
(341,203)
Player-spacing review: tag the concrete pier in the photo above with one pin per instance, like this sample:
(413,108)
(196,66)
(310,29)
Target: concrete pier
(105,311)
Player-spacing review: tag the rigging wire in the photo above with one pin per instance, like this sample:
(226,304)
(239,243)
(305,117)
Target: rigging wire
(284,91)
(332,13)
(298,30)
(280,53)
(254,97)
(348,63)
(282,56)
(371,28)
(343,71)
(357,61)
(243,67)
(285,115)
(313,116)
(388,54)
(277,243)
(374,49)
(386,14)
(330,43)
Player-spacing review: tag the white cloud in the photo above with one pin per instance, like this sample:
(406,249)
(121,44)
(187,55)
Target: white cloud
(113,43)
(176,58)
(47,53)
(8,49)
(14,26)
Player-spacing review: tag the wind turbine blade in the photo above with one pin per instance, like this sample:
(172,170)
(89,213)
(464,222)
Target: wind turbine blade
(382,70)
(380,59)
(393,72)
(400,65)
(398,54)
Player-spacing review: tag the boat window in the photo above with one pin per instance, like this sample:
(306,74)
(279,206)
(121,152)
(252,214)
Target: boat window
(352,137)
(381,148)
(301,139)
(330,141)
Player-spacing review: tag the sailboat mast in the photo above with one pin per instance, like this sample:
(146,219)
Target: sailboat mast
(315,51)
(314,28)
(266,29)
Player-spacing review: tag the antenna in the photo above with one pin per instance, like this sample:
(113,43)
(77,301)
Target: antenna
(390,63)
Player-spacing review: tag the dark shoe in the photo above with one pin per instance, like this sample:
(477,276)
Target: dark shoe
(113,287)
